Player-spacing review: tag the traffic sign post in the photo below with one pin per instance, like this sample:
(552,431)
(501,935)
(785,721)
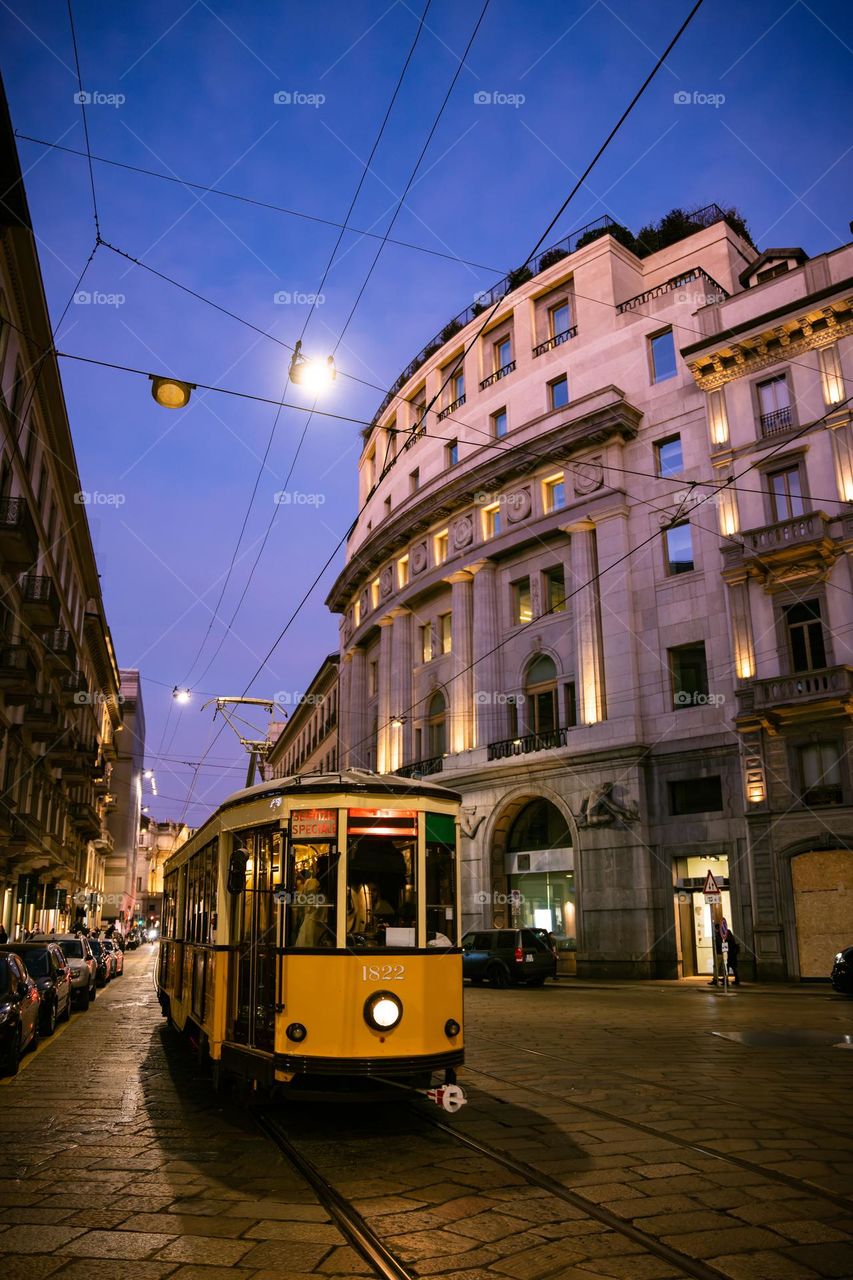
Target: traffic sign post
(714,898)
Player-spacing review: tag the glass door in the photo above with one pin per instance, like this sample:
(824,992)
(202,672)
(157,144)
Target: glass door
(255,933)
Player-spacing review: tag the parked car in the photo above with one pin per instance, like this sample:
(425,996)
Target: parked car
(83,966)
(502,957)
(116,955)
(842,972)
(19,1012)
(102,960)
(47,966)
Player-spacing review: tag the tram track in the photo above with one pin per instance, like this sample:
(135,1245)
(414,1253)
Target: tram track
(368,1242)
(804,1185)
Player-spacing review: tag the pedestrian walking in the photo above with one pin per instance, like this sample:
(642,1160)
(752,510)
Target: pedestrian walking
(734,950)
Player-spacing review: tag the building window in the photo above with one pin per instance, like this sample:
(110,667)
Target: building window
(373,679)
(559,319)
(555,590)
(820,773)
(522,609)
(669,460)
(774,405)
(679,548)
(540,692)
(571,705)
(419,413)
(441,546)
(451,453)
(689,673)
(445,631)
(492,520)
(403,572)
(374,593)
(502,353)
(457,385)
(805,636)
(437,725)
(370,470)
(414,480)
(662,353)
(554,492)
(558,392)
(387,508)
(356,613)
(695,795)
(499,424)
(786,494)
(770,273)
(425,633)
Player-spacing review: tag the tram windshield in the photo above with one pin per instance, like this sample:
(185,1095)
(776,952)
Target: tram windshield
(381,900)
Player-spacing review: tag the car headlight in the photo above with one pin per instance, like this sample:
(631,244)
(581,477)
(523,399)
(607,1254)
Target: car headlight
(382,1011)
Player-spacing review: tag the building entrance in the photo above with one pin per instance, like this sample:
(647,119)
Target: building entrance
(694,918)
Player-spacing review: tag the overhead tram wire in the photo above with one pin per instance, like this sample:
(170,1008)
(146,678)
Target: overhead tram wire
(82,100)
(262,204)
(659,62)
(400,203)
(365,169)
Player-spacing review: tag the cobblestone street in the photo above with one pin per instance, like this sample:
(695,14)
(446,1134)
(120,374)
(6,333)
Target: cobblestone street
(643,1131)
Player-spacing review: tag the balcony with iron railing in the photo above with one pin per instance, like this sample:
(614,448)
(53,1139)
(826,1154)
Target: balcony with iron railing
(17,673)
(498,374)
(773,424)
(39,600)
(59,649)
(421,768)
(73,688)
(19,543)
(42,718)
(557,341)
(506,748)
(452,407)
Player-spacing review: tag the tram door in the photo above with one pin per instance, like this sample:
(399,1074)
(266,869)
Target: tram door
(255,933)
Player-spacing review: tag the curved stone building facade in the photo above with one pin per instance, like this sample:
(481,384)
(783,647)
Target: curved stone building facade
(539,605)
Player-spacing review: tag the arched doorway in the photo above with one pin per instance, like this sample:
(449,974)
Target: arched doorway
(823,907)
(540,874)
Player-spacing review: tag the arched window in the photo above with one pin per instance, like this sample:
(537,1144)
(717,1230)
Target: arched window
(540,691)
(437,724)
(539,825)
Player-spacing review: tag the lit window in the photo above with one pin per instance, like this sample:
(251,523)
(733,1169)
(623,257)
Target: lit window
(679,548)
(522,608)
(554,492)
(403,572)
(445,631)
(499,424)
(689,673)
(502,353)
(786,493)
(374,593)
(426,643)
(558,392)
(668,456)
(559,319)
(441,544)
(451,453)
(555,590)
(662,352)
(492,520)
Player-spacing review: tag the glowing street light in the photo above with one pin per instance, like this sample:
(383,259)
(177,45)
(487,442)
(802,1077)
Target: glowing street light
(148,774)
(181,695)
(314,375)
(170,393)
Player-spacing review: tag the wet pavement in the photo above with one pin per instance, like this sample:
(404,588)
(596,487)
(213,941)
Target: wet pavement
(618,1130)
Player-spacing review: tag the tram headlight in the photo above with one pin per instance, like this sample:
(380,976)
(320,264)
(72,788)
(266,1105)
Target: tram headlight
(296,1031)
(382,1011)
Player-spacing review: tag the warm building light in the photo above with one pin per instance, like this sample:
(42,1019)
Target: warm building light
(718,422)
(830,375)
(755,793)
(745,667)
(170,393)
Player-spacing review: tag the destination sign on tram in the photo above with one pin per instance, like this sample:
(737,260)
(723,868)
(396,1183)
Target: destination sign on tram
(314,824)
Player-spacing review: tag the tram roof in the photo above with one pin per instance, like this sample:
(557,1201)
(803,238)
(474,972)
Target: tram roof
(344,780)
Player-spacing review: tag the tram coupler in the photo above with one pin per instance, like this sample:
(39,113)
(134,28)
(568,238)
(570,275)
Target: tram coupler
(450,1097)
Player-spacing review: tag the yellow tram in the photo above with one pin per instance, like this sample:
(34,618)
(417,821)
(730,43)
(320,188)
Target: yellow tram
(310,930)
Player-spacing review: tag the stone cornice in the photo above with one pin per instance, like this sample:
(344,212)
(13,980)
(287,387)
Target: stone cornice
(589,421)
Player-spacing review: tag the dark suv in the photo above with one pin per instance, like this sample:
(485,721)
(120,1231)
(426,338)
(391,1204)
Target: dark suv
(505,956)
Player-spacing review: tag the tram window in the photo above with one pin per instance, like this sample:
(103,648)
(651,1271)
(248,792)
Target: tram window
(440,880)
(381,902)
(311,896)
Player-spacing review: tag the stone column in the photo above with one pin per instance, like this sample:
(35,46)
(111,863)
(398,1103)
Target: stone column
(344,730)
(357,744)
(487,669)
(461,735)
(383,708)
(616,624)
(401,688)
(743,648)
(587,619)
